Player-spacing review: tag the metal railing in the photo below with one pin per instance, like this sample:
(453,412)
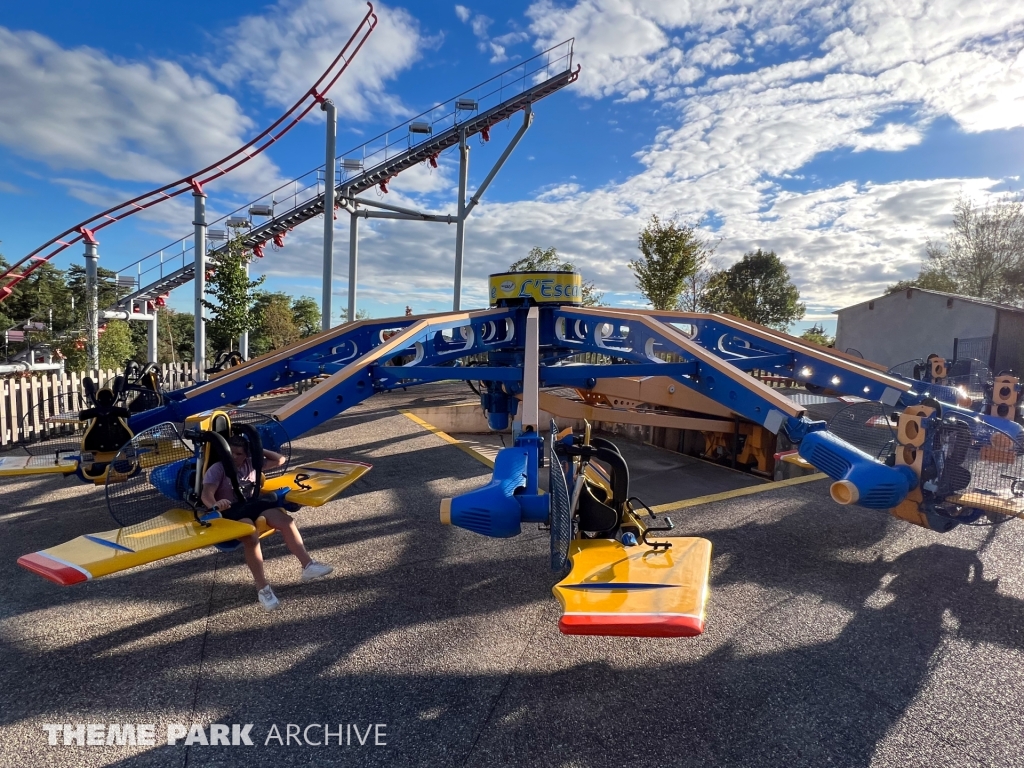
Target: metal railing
(362,167)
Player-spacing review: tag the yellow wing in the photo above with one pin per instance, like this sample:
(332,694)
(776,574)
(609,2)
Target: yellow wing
(99,554)
(177,531)
(18,466)
(315,484)
(635,591)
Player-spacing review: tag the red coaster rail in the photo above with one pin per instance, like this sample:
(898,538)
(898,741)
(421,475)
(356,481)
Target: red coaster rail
(194,182)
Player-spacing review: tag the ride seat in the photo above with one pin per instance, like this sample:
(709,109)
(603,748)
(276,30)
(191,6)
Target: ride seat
(600,509)
(108,430)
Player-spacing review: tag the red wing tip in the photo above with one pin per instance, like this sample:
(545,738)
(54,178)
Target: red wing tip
(631,625)
(52,570)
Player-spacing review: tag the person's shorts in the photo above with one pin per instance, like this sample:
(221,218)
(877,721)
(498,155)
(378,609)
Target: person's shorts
(249,510)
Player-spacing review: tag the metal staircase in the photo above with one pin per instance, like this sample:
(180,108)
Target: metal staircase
(374,163)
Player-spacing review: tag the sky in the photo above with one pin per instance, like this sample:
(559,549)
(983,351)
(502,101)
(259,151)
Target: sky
(837,134)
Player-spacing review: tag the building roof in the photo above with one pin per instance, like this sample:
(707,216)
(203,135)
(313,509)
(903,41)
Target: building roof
(957,296)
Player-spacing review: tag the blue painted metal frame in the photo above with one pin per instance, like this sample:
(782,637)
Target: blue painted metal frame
(743,349)
(580,332)
(497,333)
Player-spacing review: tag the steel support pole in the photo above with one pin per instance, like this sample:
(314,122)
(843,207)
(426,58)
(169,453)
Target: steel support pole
(353,263)
(330,161)
(531,372)
(460,225)
(92,302)
(200,281)
(243,338)
(527,122)
(151,339)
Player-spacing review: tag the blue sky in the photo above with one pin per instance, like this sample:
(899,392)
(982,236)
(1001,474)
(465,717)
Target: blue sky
(836,133)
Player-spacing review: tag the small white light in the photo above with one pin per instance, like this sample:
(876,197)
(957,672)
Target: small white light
(867,390)
(835,381)
(805,371)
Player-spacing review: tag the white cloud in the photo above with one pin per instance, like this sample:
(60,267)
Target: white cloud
(479,25)
(152,121)
(497,46)
(846,70)
(140,121)
(274,53)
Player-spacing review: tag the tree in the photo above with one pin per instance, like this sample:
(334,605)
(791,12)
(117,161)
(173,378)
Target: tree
(75,353)
(983,255)
(107,290)
(695,286)
(6,321)
(276,325)
(39,294)
(816,334)
(670,253)
(116,344)
(361,314)
(307,317)
(547,260)
(756,288)
(927,279)
(227,281)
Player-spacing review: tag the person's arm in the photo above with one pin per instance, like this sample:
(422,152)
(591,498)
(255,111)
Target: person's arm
(211,482)
(208,498)
(273,459)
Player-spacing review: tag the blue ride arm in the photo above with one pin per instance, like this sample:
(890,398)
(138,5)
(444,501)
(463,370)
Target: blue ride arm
(859,479)
(492,510)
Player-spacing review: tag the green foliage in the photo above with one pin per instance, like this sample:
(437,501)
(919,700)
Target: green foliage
(816,334)
(107,290)
(756,288)
(175,333)
(306,313)
(542,260)
(361,314)
(59,299)
(234,311)
(116,344)
(927,279)
(276,326)
(39,293)
(983,255)
(6,321)
(547,260)
(76,357)
(670,254)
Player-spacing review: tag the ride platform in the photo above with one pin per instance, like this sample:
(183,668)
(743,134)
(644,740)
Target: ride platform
(100,554)
(17,466)
(635,591)
(316,483)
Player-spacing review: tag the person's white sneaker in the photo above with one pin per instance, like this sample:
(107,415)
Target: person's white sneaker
(315,570)
(268,599)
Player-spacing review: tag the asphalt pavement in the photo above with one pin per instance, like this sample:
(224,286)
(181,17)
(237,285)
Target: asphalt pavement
(835,636)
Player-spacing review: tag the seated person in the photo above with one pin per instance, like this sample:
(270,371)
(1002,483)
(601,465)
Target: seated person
(218,494)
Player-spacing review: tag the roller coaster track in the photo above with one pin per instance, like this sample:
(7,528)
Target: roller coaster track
(380,159)
(194,182)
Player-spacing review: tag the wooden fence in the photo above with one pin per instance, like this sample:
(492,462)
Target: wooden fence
(26,400)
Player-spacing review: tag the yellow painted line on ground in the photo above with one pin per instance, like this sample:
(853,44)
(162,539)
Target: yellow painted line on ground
(674,505)
(447,438)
